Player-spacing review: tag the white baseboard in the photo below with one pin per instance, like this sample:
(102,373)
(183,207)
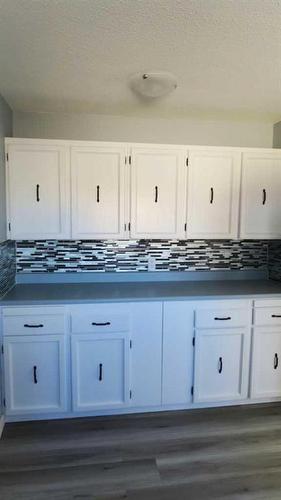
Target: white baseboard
(2,424)
(138,410)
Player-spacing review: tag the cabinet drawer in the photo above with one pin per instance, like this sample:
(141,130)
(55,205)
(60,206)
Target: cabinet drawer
(100,322)
(221,318)
(29,321)
(267,302)
(267,316)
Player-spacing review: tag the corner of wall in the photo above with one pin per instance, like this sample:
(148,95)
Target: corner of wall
(277,135)
(6,129)
(274,260)
(7,266)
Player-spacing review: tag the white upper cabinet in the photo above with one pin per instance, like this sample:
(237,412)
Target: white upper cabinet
(38,190)
(158,192)
(213,193)
(260,196)
(98,191)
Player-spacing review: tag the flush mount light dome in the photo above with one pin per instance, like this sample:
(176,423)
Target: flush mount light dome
(156,84)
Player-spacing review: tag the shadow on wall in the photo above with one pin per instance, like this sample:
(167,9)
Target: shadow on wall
(274,260)
(7,266)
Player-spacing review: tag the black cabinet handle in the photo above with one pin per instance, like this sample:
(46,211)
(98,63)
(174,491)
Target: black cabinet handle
(263,196)
(33,326)
(98,194)
(156,194)
(37,192)
(276,361)
(35,375)
(212,195)
(100,372)
(227,318)
(220,365)
(276,315)
(107,323)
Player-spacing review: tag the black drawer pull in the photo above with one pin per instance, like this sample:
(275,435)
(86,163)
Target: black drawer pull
(98,194)
(35,375)
(107,323)
(276,361)
(263,196)
(100,372)
(220,365)
(212,195)
(37,192)
(156,194)
(227,318)
(33,326)
(276,315)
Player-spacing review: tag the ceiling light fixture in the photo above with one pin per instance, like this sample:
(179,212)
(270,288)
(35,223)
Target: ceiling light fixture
(156,84)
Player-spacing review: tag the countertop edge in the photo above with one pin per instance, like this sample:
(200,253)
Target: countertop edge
(64,294)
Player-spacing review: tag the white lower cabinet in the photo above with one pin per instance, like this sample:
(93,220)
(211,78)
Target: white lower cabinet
(177,353)
(35,374)
(128,337)
(266,359)
(146,354)
(139,356)
(221,365)
(100,371)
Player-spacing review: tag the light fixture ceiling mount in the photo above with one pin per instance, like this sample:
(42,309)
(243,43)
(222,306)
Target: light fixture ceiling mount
(153,84)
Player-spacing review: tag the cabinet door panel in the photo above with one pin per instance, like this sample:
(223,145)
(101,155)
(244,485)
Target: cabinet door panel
(146,354)
(38,180)
(158,193)
(213,194)
(266,359)
(100,371)
(221,365)
(98,196)
(177,353)
(260,200)
(35,374)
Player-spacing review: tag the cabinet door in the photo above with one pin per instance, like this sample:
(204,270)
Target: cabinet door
(100,371)
(213,194)
(177,353)
(221,365)
(98,192)
(260,197)
(35,374)
(266,359)
(38,191)
(146,354)
(158,192)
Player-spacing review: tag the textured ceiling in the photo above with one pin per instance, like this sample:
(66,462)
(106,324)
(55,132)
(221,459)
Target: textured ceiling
(77,55)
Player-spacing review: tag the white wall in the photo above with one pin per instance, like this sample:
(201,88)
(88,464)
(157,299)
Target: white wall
(5,130)
(121,128)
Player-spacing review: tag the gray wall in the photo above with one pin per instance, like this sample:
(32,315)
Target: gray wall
(5,130)
(277,135)
(121,128)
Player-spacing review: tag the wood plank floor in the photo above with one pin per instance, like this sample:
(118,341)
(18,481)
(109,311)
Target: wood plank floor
(229,453)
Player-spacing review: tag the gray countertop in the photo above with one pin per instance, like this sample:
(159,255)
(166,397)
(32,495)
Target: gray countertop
(66,293)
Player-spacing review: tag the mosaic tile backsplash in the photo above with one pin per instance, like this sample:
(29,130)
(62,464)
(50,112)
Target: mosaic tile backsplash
(7,266)
(144,255)
(274,260)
